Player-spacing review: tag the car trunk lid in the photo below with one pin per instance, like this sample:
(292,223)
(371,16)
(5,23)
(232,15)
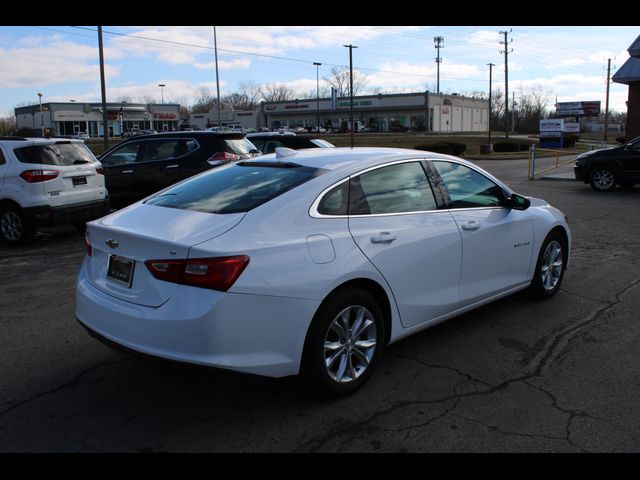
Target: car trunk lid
(124,240)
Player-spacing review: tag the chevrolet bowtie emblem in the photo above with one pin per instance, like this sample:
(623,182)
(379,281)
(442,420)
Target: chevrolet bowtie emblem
(112,243)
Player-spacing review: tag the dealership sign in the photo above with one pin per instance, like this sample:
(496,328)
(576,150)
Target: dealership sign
(587,109)
(553,127)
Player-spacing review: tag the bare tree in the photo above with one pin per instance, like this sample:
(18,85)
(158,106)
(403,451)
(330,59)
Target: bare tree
(204,101)
(340,80)
(276,92)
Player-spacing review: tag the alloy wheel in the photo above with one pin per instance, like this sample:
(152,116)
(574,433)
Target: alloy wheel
(603,179)
(551,267)
(350,344)
(11,226)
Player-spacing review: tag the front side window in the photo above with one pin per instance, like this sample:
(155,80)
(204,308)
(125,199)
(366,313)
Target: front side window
(126,154)
(468,188)
(399,188)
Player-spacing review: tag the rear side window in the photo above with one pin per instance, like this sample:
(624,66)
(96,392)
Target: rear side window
(61,154)
(167,149)
(336,201)
(235,188)
(2,160)
(400,188)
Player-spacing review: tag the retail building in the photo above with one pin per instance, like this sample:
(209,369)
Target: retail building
(422,111)
(70,118)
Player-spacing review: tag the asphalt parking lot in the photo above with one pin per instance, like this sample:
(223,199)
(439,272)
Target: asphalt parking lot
(516,376)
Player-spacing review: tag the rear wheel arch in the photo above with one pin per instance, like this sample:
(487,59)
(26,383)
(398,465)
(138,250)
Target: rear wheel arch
(339,357)
(376,290)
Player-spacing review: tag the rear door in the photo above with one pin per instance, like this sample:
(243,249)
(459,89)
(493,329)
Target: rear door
(395,221)
(160,165)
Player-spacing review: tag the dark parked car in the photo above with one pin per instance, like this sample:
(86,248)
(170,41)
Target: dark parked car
(268,142)
(608,167)
(144,164)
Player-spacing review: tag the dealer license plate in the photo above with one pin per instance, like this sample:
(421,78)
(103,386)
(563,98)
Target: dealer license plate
(79,181)
(120,270)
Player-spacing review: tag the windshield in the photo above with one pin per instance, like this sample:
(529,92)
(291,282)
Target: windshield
(235,188)
(61,154)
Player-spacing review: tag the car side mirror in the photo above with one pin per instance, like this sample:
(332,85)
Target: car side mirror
(517,202)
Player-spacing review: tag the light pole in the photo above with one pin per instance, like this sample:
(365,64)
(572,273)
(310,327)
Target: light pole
(351,47)
(215,46)
(317,95)
(41,116)
(162,85)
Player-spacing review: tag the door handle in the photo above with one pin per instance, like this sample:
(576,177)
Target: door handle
(171,167)
(472,225)
(384,237)
(127,171)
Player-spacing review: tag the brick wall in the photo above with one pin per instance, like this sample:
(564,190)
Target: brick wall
(633,111)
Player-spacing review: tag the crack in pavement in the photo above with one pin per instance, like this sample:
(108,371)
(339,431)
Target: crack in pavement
(554,346)
(558,342)
(72,383)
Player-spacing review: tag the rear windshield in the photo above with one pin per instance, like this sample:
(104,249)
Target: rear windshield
(61,154)
(235,188)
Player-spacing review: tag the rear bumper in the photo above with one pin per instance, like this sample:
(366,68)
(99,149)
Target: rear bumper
(47,216)
(256,334)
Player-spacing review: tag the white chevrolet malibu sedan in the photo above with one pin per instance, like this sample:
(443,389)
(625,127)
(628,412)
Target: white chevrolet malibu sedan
(310,262)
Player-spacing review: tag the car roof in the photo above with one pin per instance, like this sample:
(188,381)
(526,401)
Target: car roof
(271,134)
(182,133)
(25,141)
(347,159)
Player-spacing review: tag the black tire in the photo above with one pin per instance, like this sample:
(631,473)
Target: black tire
(15,227)
(547,277)
(350,350)
(603,179)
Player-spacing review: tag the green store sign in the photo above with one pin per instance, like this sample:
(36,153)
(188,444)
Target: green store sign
(356,103)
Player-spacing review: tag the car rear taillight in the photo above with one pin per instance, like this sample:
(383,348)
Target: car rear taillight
(217,273)
(34,176)
(87,243)
(100,170)
(223,157)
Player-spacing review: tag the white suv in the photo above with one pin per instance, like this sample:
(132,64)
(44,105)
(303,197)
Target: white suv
(45,182)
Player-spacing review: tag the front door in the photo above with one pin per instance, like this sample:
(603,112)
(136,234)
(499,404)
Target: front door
(497,242)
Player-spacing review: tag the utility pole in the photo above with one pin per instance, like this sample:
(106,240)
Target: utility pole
(491,65)
(506,80)
(438,43)
(105,126)
(513,111)
(351,47)
(606,109)
(317,65)
(215,47)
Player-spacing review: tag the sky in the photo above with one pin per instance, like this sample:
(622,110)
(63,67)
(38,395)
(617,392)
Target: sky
(62,62)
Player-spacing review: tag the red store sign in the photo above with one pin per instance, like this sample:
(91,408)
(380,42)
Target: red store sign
(164,116)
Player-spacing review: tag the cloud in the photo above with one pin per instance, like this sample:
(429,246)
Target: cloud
(42,61)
